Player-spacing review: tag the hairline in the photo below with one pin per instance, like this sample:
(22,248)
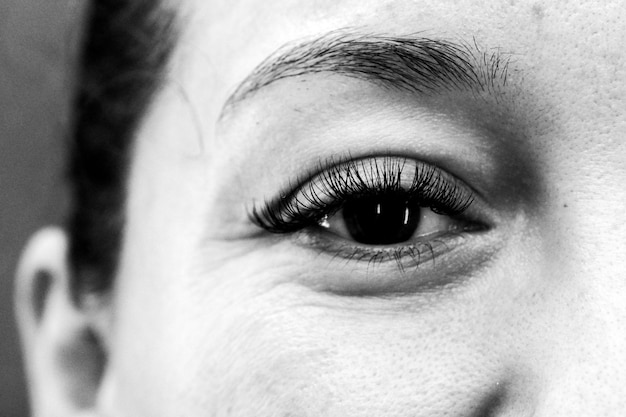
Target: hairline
(125,51)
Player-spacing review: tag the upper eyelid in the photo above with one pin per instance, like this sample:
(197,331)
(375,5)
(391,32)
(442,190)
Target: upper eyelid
(273,212)
(327,165)
(388,177)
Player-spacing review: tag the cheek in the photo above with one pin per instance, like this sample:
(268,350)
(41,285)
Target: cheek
(227,329)
(292,352)
(245,342)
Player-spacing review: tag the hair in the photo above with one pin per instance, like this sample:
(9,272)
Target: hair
(125,51)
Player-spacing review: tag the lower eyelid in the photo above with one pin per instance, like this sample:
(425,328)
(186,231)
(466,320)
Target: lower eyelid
(426,248)
(347,270)
(443,260)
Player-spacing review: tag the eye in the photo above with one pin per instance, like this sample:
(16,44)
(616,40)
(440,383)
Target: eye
(387,219)
(373,208)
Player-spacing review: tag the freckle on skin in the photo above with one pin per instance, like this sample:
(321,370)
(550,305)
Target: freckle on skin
(538,11)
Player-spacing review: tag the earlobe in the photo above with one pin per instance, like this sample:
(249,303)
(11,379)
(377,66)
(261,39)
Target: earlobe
(63,347)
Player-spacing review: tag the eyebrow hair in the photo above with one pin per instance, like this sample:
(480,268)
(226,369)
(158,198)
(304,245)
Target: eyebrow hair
(411,63)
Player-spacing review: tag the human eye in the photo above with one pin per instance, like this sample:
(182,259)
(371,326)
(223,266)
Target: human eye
(374,210)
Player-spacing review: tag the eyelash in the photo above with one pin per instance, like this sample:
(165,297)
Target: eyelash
(343,181)
(336,182)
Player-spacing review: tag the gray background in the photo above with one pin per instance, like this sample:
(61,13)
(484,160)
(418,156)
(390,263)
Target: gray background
(36,43)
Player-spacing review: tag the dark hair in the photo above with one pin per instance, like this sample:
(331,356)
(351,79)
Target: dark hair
(126,47)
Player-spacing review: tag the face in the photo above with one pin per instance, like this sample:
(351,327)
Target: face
(324,241)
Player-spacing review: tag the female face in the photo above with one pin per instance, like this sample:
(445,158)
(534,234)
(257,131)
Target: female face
(416,208)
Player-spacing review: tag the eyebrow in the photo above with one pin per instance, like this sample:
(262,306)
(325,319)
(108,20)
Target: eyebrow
(410,63)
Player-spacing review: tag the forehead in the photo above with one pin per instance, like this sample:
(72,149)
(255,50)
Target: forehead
(254,24)
(559,46)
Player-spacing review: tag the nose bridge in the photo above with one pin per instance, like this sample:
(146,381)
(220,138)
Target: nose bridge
(584,339)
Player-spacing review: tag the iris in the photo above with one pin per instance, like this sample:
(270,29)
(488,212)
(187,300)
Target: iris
(381,220)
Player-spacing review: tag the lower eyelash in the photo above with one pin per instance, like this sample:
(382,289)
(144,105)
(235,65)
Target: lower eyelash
(406,256)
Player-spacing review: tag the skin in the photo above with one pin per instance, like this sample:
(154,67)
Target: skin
(212,316)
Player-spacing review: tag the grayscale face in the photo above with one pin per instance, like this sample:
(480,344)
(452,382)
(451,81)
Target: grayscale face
(415,208)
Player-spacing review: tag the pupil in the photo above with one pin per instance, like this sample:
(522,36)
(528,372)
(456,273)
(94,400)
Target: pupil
(381,220)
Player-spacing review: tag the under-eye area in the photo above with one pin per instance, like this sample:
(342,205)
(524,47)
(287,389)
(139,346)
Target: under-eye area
(375,210)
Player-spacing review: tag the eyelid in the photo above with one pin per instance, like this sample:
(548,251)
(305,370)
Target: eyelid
(334,181)
(399,174)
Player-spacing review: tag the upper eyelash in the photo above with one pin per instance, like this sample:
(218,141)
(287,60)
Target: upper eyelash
(333,186)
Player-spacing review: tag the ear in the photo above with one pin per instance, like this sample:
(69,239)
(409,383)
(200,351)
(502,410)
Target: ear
(62,342)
